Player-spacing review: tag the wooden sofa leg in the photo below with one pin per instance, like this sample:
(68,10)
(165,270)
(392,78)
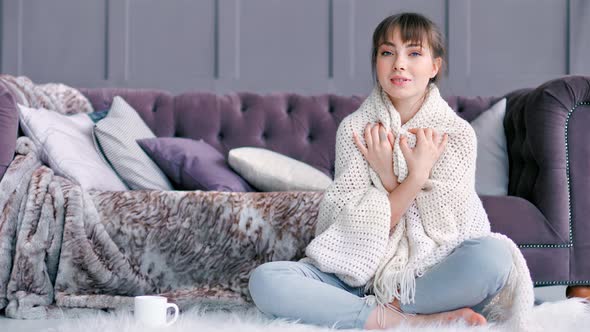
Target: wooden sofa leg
(578,291)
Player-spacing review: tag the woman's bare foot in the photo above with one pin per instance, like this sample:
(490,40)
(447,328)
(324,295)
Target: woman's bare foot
(466,314)
(392,318)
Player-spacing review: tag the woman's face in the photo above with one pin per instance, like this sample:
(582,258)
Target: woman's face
(404,69)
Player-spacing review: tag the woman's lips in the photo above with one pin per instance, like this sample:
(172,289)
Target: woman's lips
(399,81)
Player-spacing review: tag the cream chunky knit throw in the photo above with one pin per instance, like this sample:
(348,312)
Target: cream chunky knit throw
(353,237)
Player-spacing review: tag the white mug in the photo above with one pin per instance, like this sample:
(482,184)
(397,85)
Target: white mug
(152,310)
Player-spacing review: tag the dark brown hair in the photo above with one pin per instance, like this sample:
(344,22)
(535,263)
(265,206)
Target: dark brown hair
(414,28)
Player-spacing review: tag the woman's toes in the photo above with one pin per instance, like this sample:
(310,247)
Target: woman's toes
(471,317)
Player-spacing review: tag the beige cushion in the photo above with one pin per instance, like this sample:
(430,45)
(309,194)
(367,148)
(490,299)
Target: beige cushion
(271,171)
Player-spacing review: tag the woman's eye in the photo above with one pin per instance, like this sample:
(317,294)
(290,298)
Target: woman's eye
(415,54)
(385,53)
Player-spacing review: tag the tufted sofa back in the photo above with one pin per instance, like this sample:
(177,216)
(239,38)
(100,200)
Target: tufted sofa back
(302,127)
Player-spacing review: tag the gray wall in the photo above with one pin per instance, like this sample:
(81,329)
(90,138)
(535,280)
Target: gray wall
(305,46)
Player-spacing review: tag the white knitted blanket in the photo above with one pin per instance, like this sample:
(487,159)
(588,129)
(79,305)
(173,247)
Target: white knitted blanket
(353,238)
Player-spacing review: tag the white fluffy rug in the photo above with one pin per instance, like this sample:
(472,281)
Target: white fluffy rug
(566,315)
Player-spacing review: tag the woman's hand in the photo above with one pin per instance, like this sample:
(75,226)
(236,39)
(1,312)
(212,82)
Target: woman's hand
(425,154)
(378,153)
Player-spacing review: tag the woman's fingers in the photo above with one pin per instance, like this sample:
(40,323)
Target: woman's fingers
(375,133)
(382,134)
(420,135)
(368,138)
(440,147)
(419,132)
(391,139)
(428,133)
(403,145)
(443,143)
(359,144)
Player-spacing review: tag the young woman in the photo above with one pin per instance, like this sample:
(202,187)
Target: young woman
(401,235)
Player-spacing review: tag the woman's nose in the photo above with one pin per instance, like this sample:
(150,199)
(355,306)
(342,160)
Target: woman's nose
(399,63)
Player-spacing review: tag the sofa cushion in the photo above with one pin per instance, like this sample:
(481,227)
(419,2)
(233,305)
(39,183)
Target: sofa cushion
(193,165)
(491,171)
(116,136)
(65,144)
(271,171)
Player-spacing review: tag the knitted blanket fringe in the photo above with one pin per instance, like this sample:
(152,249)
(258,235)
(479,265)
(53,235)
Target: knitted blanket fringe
(353,237)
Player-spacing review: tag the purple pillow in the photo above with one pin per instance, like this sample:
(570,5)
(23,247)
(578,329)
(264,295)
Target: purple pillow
(193,165)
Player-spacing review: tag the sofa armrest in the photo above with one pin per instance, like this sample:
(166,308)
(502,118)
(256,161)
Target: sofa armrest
(549,156)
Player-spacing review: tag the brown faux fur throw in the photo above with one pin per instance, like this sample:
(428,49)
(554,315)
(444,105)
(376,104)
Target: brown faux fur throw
(52,96)
(63,249)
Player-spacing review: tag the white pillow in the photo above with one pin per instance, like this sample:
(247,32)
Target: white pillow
(65,144)
(271,171)
(116,136)
(491,172)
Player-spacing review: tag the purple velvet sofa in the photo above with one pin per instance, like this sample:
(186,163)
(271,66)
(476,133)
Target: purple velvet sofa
(546,129)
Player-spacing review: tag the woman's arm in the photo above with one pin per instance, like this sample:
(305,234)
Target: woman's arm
(402,197)
(420,161)
(378,152)
(352,229)
(352,182)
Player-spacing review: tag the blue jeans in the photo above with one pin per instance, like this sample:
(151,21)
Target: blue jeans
(470,276)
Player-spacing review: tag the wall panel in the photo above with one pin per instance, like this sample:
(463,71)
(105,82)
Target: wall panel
(170,44)
(305,46)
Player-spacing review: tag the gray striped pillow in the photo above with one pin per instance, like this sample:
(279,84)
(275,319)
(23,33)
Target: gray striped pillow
(116,136)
